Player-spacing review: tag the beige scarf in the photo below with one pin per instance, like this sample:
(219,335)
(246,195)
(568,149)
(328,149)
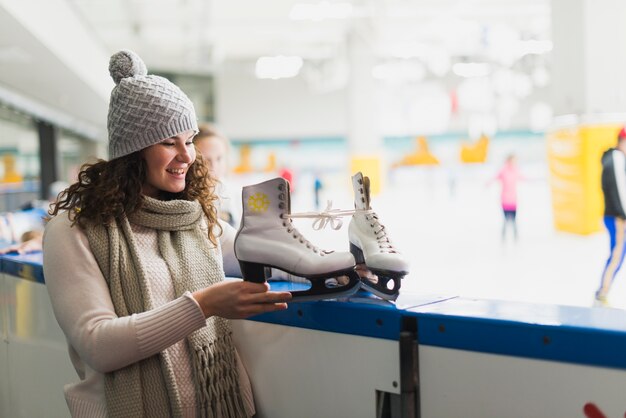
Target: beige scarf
(148,388)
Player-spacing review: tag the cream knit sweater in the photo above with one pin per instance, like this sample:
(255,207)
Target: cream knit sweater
(99,341)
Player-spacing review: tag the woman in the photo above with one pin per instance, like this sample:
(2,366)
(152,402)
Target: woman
(133,265)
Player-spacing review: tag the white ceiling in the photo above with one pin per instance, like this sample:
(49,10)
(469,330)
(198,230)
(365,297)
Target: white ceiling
(195,35)
(200,36)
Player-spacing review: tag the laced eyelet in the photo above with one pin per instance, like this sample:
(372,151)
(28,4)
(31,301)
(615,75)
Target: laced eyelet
(281,187)
(281,205)
(284,223)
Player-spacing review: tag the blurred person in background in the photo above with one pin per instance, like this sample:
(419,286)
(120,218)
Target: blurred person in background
(22,232)
(134,260)
(509,176)
(286,173)
(215,150)
(614,192)
(317,189)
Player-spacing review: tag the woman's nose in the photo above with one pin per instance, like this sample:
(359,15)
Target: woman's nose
(186,154)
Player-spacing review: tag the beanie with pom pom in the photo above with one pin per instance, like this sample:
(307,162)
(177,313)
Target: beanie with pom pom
(144,109)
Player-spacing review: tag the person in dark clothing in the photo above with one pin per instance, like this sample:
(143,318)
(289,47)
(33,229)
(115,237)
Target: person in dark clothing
(614,190)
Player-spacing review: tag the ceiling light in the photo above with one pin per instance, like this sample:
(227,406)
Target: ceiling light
(471,69)
(320,11)
(279,66)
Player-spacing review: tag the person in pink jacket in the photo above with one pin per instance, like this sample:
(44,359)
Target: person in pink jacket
(509,176)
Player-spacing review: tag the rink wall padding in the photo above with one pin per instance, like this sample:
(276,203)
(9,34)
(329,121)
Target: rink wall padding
(460,341)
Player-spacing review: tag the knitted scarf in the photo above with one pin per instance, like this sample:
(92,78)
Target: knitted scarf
(148,388)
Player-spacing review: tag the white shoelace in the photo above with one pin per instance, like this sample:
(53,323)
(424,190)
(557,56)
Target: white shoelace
(328,216)
(332,217)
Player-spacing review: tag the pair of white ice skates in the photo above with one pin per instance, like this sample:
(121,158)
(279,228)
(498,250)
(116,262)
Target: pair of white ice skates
(268,239)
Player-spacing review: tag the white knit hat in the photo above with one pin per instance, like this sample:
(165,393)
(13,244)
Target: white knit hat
(144,109)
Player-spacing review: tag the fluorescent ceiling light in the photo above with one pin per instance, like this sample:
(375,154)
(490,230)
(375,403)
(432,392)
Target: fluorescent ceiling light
(320,11)
(279,66)
(471,69)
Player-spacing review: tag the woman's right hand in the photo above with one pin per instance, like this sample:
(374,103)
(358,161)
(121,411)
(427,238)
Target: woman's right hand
(240,299)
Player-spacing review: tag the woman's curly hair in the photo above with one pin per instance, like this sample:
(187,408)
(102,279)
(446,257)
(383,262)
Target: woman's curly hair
(106,190)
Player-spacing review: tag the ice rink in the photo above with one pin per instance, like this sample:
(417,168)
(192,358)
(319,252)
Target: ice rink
(447,220)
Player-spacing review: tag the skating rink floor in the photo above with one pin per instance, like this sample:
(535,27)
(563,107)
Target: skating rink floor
(447,222)
(452,235)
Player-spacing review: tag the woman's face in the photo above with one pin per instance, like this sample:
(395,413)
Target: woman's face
(167,163)
(213,150)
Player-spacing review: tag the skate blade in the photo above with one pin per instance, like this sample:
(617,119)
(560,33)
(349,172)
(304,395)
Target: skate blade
(320,288)
(323,286)
(383,286)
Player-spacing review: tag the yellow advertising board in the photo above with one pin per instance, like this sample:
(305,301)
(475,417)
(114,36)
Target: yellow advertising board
(575,175)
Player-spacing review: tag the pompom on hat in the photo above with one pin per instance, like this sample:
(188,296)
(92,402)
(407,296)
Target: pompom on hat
(144,109)
(622,133)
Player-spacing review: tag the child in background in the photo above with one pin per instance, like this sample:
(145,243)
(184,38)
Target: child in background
(215,150)
(508,176)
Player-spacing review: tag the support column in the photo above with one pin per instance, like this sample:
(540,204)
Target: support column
(589,83)
(48,159)
(364,140)
(589,56)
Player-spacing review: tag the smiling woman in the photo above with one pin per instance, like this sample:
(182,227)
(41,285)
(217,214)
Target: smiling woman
(134,260)
(167,163)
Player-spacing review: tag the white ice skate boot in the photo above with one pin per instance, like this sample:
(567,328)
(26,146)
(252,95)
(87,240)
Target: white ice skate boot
(267,238)
(370,244)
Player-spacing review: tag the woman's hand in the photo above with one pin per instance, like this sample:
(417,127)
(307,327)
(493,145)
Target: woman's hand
(365,273)
(240,299)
